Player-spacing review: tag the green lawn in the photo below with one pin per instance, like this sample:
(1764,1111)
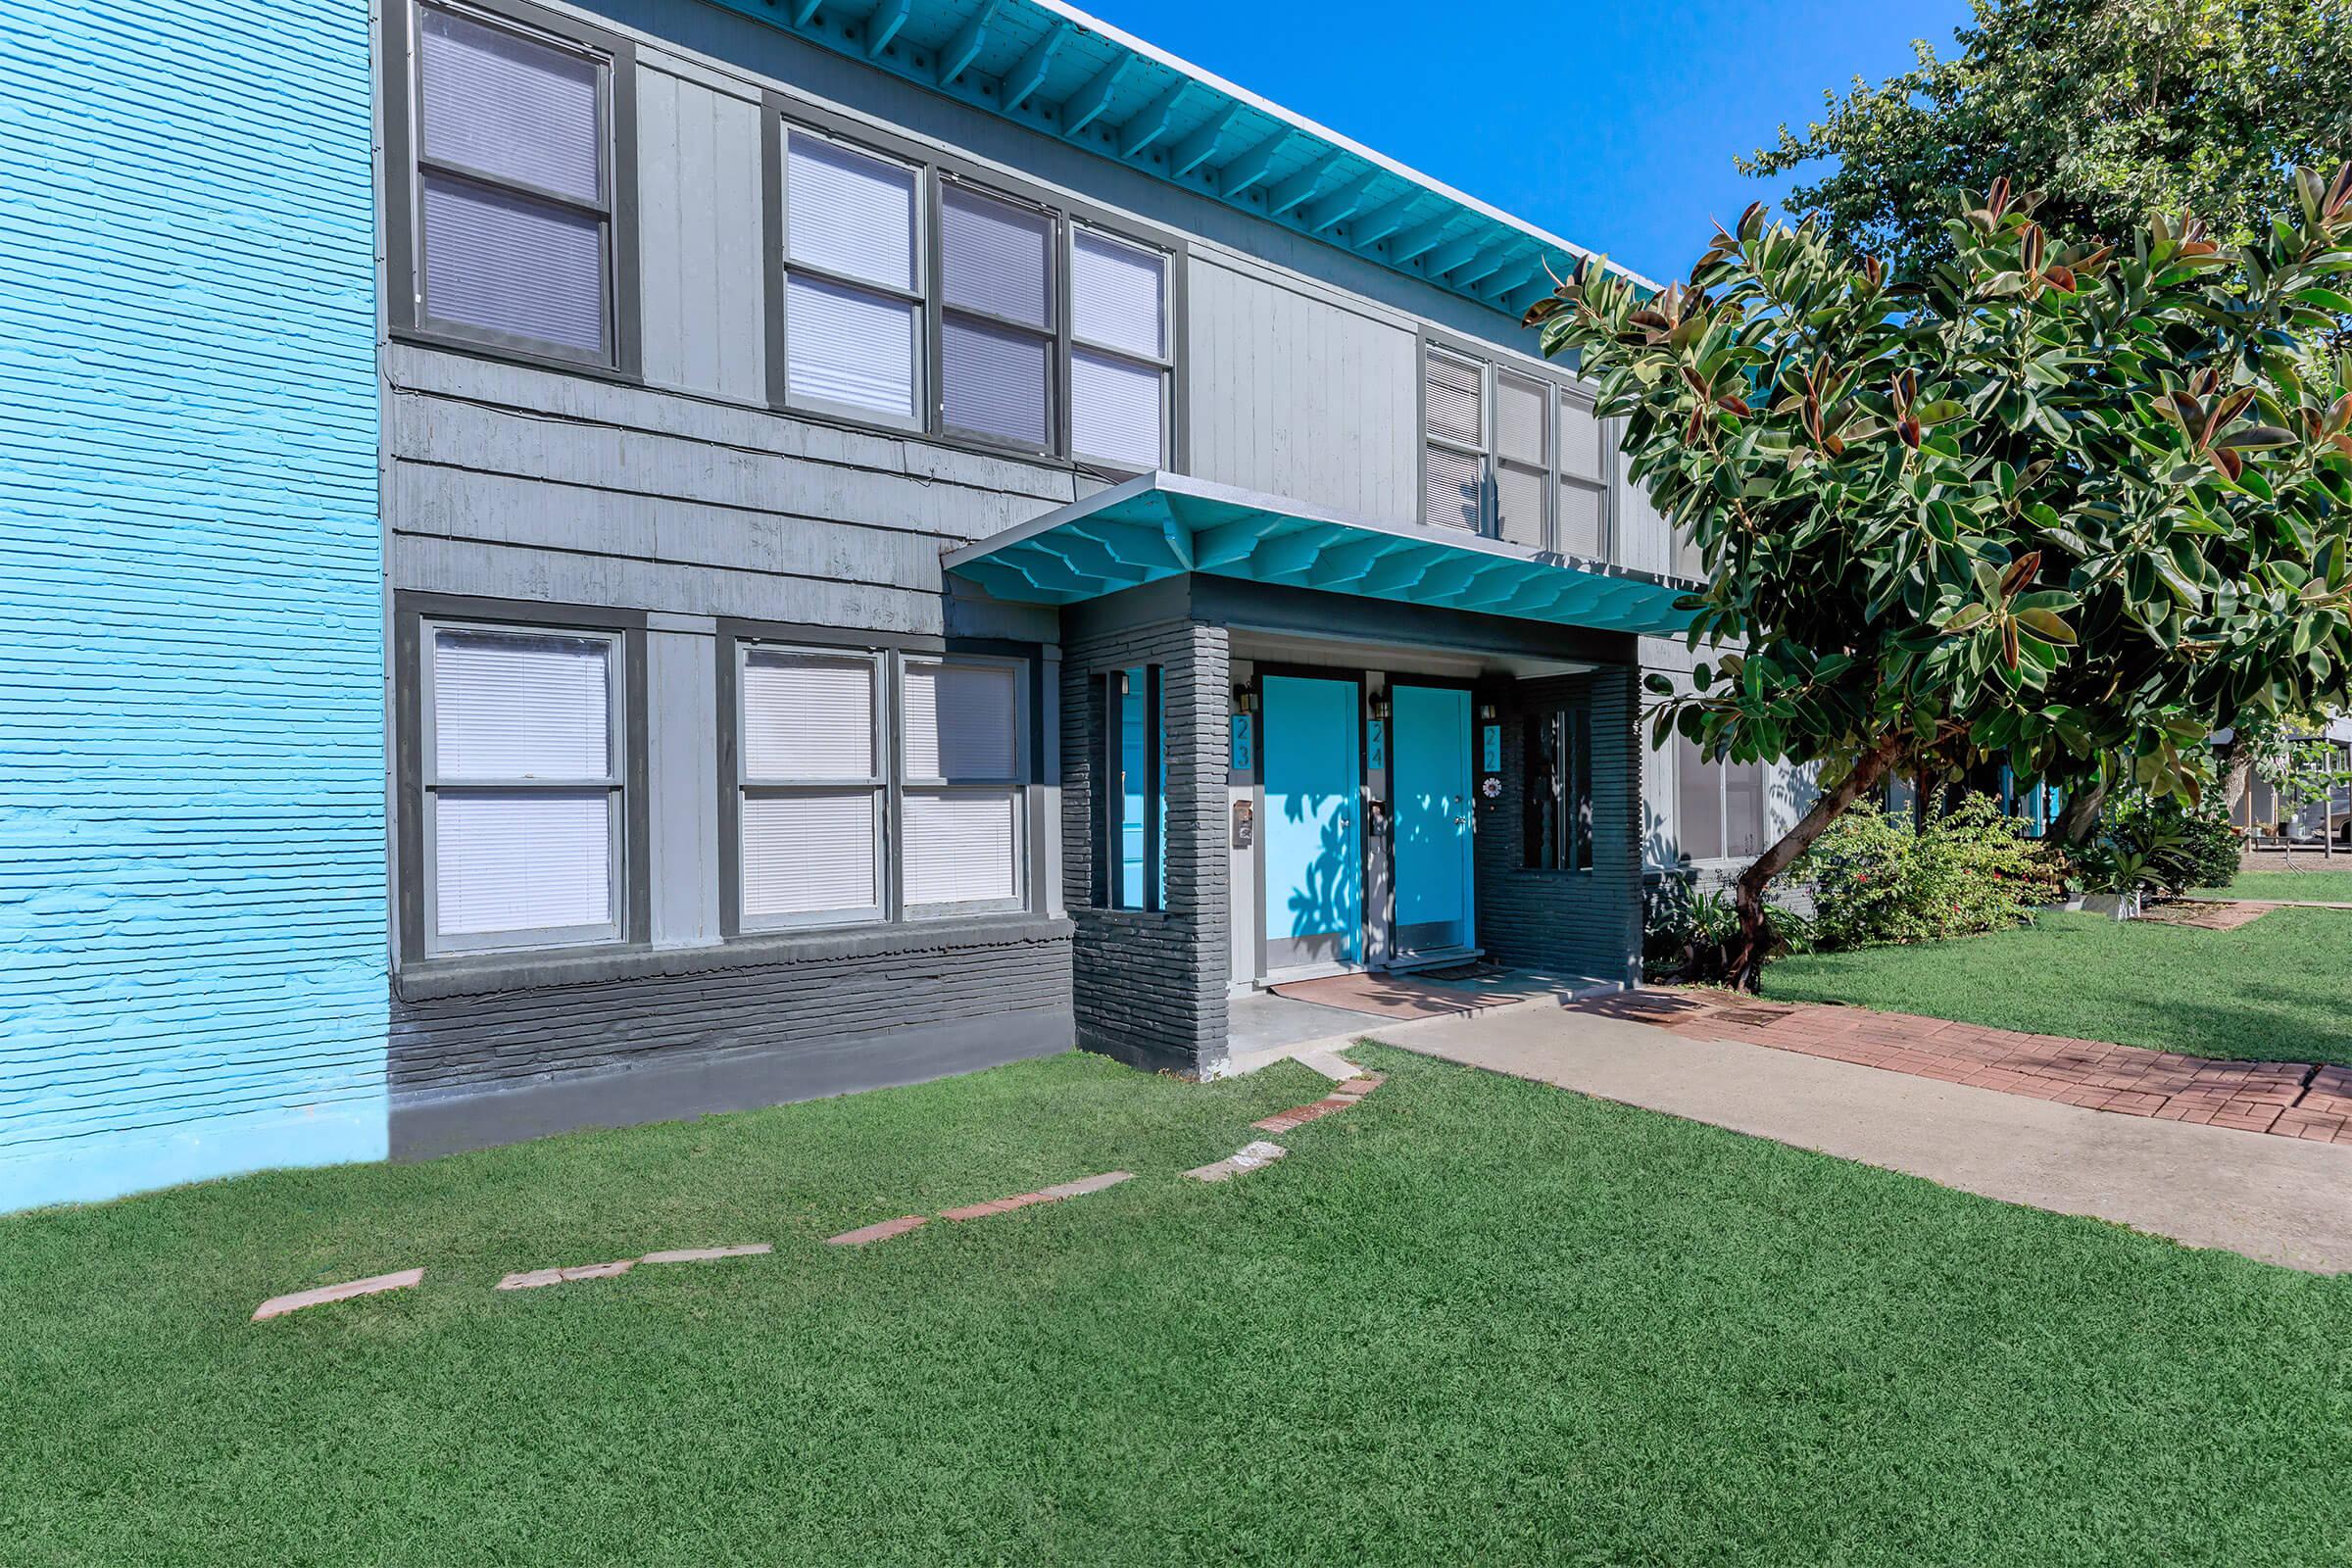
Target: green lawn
(1471,1319)
(2322,887)
(2279,989)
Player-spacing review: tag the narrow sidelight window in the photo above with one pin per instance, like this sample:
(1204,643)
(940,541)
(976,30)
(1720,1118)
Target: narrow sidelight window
(523,788)
(810,787)
(513,205)
(852,281)
(1135,778)
(961,784)
(1119,355)
(1557,807)
(1455,453)
(997,319)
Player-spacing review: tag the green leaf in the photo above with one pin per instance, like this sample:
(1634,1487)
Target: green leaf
(2045,624)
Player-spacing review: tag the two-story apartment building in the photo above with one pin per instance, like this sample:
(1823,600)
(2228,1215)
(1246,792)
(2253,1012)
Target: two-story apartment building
(675,556)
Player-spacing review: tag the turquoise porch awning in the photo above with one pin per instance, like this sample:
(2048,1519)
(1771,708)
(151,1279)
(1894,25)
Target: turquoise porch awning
(1163,526)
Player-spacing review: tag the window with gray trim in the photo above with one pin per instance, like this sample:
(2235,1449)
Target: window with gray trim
(522,786)
(1719,806)
(509,229)
(908,292)
(874,786)
(1511,456)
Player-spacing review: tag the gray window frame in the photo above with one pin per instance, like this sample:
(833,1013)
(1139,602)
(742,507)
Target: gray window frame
(405,166)
(903,783)
(782,113)
(1560,394)
(1164,362)
(412,846)
(778,263)
(744,786)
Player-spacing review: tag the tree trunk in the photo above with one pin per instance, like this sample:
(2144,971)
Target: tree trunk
(1743,964)
(2080,818)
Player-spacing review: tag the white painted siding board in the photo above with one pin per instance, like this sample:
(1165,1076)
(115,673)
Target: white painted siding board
(698,258)
(682,784)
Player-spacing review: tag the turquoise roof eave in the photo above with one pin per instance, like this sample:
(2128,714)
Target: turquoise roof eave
(1162,525)
(1057,71)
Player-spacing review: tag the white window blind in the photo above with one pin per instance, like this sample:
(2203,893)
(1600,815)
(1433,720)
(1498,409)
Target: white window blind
(1519,504)
(1116,410)
(1584,520)
(523,787)
(809,854)
(810,790)
(541,862)
(513,204)
(962,721)
(960,726)
(1521,407)
(1453,393)
(962,846)
(1698,803)
(509,107)
(994,381)
(1118,294)
(850,214)
(852,299)
(1455,481)
(807,718)
(996,257)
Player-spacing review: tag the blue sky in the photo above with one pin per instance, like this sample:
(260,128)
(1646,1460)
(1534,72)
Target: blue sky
(1611,124)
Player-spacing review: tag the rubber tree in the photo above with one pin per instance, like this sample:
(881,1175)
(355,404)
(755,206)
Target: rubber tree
(2063,504)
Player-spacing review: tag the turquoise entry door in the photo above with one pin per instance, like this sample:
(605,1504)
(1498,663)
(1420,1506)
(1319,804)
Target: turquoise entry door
(1428,768)
(1313,868)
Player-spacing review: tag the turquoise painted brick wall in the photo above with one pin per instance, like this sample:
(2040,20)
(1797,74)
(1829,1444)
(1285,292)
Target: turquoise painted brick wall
(192,945)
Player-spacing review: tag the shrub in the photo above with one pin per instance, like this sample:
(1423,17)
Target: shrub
(1876,880)
(2161,844)
(1685,933)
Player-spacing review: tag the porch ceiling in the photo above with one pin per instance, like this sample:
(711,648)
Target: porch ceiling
(1165,525)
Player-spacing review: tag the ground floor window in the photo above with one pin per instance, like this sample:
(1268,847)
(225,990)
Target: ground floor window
(1135,778)
(522,787)
(1557,802)
(838,824)
(1719,806)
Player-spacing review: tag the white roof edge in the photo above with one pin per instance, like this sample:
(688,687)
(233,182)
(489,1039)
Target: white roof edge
(1435,187)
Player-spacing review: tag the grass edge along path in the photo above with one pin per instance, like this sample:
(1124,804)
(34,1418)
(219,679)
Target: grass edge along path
(2277,990)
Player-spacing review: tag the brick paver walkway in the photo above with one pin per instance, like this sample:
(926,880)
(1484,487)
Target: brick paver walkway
(2290,1100)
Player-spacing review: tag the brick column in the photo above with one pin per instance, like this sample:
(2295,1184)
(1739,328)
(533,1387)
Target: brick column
(1150,984)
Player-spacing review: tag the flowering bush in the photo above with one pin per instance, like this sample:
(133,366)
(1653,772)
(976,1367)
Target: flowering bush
(1878,881)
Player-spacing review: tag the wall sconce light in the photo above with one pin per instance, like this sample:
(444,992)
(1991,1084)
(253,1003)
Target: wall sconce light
(1486,713)
(1245,701)
(1380,707)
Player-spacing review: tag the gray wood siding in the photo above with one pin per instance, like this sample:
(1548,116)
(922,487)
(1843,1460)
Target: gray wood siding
(1297,395)
(521,483)
(699,227)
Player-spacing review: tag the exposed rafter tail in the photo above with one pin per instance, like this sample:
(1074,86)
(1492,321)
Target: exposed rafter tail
(1297,188)
(1341,205)
(1252,166)
(884,24)
(1414,242)
(964,47)
(1200,145)
(1029,74)
(1087,104)
(1143,129)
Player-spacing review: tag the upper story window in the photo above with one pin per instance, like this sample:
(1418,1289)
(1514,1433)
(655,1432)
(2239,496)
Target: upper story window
(522,787)
(852,281)
(507,225)
(909,295)
(1511,456)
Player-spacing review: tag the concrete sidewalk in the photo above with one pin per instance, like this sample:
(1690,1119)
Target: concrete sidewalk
(2278,1200)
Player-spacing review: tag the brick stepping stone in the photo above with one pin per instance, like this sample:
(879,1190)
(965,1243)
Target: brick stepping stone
(1341,1095)
(1249,1157)
(704,1254)
(878,1233)
(533,1279)
(280,1305)
(1043,1195)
